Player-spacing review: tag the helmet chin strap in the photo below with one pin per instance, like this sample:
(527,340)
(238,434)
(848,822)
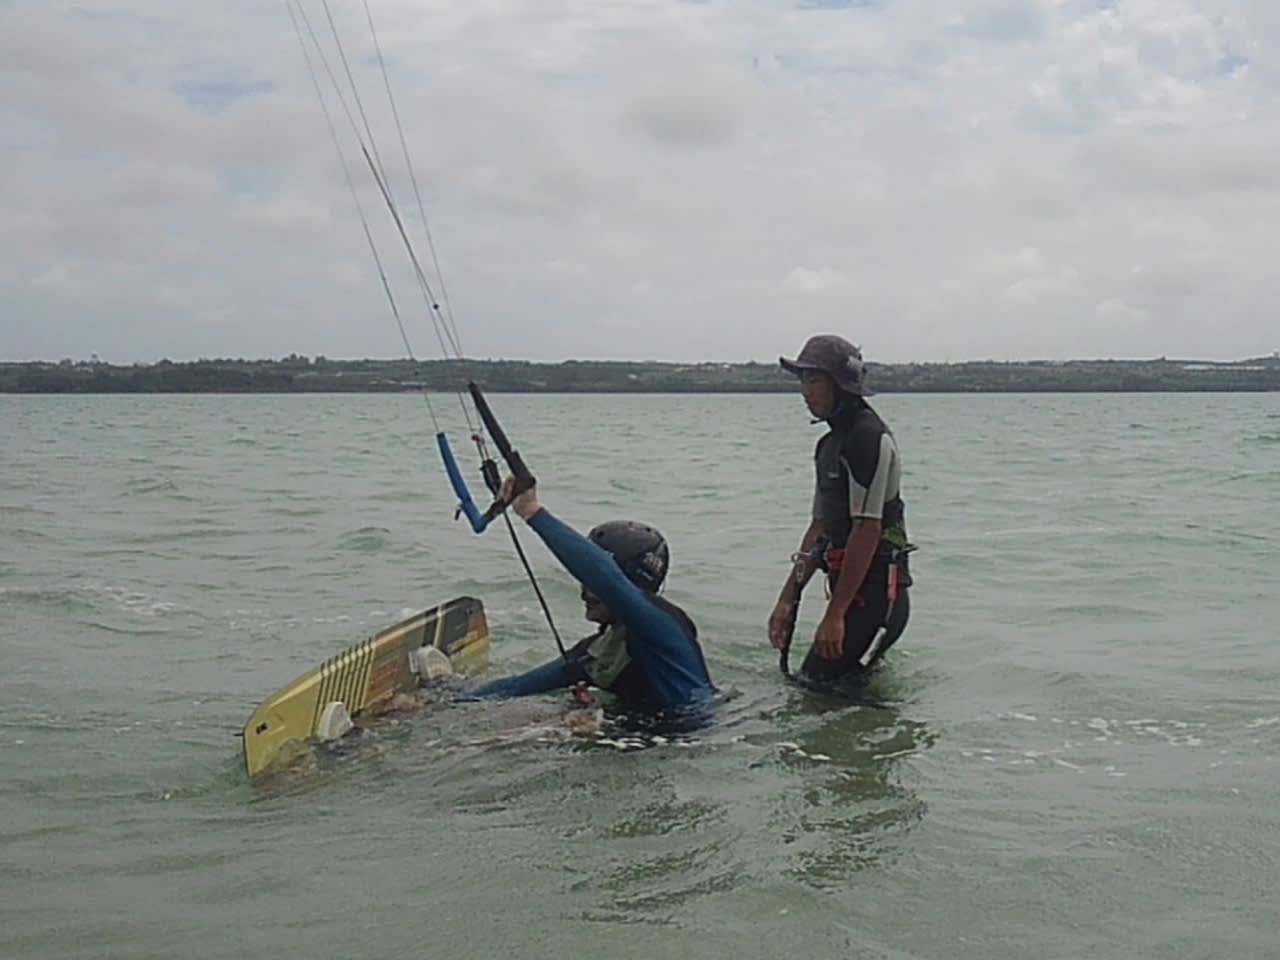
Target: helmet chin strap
(591,602)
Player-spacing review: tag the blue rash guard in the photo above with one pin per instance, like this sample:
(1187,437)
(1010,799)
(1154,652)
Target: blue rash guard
(666,655)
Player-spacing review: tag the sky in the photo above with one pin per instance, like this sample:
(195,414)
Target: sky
(626,179)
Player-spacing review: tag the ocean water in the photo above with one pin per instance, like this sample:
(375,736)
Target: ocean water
(1071,753)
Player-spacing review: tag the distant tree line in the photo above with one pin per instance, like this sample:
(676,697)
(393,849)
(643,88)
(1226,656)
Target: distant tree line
(301,374)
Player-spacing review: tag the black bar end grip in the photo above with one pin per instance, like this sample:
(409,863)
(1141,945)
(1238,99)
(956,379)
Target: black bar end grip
(524,479)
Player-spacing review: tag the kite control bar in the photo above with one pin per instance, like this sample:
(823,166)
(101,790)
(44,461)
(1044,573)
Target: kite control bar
(524,480)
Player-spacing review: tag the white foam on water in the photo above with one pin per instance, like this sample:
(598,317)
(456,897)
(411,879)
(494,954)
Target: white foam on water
(895,754)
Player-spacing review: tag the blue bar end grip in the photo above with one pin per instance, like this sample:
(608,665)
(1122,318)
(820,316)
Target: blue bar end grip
(474,515)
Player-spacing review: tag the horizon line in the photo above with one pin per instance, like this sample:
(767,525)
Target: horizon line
(95,360)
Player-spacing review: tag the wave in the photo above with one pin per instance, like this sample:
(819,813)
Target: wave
(144,485)
(366,540)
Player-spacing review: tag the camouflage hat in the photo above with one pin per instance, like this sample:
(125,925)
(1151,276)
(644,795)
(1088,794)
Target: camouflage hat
(834,356)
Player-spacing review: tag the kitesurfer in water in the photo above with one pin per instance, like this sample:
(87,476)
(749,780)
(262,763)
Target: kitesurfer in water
(857,533)
(645,650)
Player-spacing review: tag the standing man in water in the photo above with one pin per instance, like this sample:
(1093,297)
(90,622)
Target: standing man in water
(857,532)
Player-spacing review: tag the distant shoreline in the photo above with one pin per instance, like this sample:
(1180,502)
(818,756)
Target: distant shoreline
(298,374)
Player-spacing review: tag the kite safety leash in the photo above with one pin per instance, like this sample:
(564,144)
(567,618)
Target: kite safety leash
(804,563)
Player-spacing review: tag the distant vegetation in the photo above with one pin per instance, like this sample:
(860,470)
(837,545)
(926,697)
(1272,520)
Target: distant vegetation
(298,374)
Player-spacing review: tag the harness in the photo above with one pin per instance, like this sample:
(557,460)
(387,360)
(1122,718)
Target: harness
(823,556)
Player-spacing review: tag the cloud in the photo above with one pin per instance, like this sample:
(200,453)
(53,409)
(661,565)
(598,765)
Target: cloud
(803,280)
(677,180)
(1118,312)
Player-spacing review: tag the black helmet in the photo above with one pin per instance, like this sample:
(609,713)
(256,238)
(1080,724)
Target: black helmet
(834,356)
(639,550)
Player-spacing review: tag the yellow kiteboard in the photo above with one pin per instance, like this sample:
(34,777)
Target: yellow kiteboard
(364,675)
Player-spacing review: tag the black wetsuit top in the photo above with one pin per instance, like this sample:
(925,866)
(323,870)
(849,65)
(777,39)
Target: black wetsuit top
(859,476)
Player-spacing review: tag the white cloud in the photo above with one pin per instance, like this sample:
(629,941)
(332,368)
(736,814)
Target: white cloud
(1118,312)
(803,280)
(635,178)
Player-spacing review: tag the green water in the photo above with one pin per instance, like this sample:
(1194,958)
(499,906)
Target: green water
(1072,752)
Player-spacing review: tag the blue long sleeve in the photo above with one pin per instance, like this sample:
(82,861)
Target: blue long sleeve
(670,658)
(555,675)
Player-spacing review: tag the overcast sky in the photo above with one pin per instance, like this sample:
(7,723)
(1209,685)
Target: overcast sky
(968,179)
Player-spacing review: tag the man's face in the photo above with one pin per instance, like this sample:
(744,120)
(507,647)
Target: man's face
(595,610)
(819,392)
